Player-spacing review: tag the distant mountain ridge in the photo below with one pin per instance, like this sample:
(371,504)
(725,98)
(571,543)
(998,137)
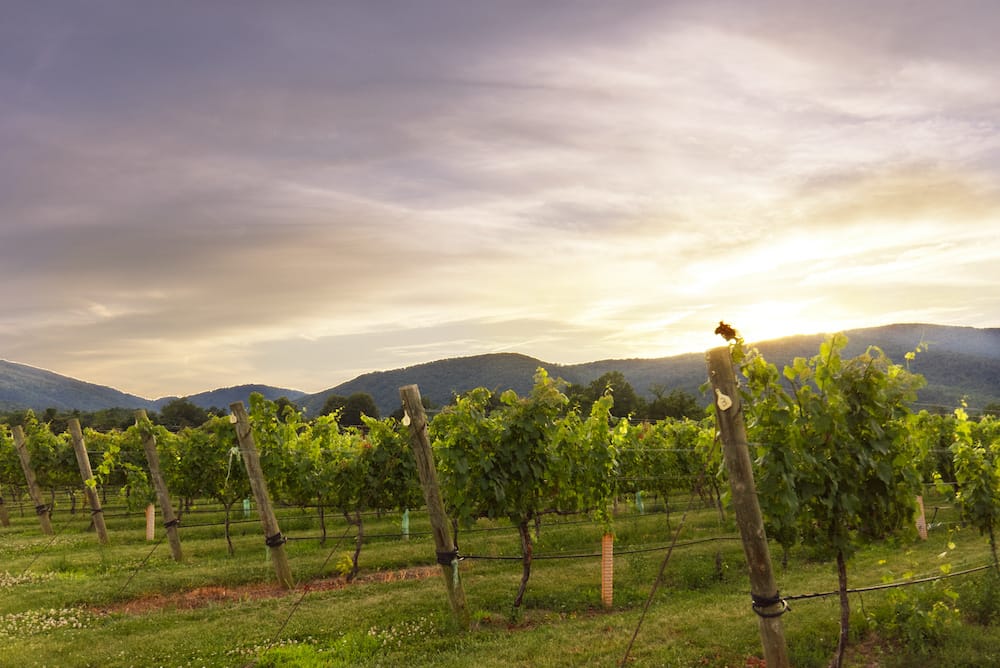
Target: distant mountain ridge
(23,386)
(222,397)
(960,362)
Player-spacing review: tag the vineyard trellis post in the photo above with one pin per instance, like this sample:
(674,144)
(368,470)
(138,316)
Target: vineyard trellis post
(444,543)
(41,508)
(4,515)
(272,533)
(765,598)
(89,484)
(170,520)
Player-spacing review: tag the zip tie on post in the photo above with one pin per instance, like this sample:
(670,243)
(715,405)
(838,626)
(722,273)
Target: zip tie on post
(447,558)
(172,523)
(275,540)
(450,559)
(95,511)
(761,602)
(42,509)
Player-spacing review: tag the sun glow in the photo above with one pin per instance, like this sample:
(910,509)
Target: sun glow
(767,320)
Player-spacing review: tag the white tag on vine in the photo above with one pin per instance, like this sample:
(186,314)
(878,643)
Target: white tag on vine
(406,419)
(722,401)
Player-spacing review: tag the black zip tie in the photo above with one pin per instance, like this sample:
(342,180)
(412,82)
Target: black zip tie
(447,558)
(94,511)
(41,510)
(275,540)
(761,602)
(171,524)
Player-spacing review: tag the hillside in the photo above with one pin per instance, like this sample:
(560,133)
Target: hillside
(960,362)
(222,397)
(439,381)
(23,386)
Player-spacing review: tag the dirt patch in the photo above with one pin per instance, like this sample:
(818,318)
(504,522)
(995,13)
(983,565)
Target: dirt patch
(204,596)
(867,653)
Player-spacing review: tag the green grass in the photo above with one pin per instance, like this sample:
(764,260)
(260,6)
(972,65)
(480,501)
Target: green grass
(61,599)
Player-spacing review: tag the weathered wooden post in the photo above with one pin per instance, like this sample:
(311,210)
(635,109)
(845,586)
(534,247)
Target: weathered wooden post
(766,601)
(273,538)
(4,515)
(444,543)
(150,522)
(41,509)
(170,520)
(89,484)
(921,518)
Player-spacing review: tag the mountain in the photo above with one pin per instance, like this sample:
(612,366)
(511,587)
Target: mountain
(959,362)
(222,397)
(23,386)
(439,381)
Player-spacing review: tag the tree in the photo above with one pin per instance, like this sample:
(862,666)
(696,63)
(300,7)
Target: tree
(283,405)
(626,401)
(400,412)
(181,413)
(677,405)
(333,403)
(355,406)
(108,418)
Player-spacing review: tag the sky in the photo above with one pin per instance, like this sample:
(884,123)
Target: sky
(203,193)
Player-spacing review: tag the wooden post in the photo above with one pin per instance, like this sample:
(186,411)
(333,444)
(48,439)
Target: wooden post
(4,516)
(273,538)
(736,452)
(170,520)
(921,518)
(150,522)
(89,484)
(444,544)
(41,509)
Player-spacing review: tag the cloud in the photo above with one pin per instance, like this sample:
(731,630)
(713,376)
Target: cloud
(207,197)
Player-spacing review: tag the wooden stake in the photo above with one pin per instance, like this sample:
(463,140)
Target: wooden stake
(444,544)
(150,523)
(89,484)
(4,515)
(272,534)
(34,491)
(41,509)
(736,452)
(921,518)
(170,520)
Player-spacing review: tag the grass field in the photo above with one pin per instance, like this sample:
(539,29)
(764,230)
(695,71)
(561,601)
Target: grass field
(67,601)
